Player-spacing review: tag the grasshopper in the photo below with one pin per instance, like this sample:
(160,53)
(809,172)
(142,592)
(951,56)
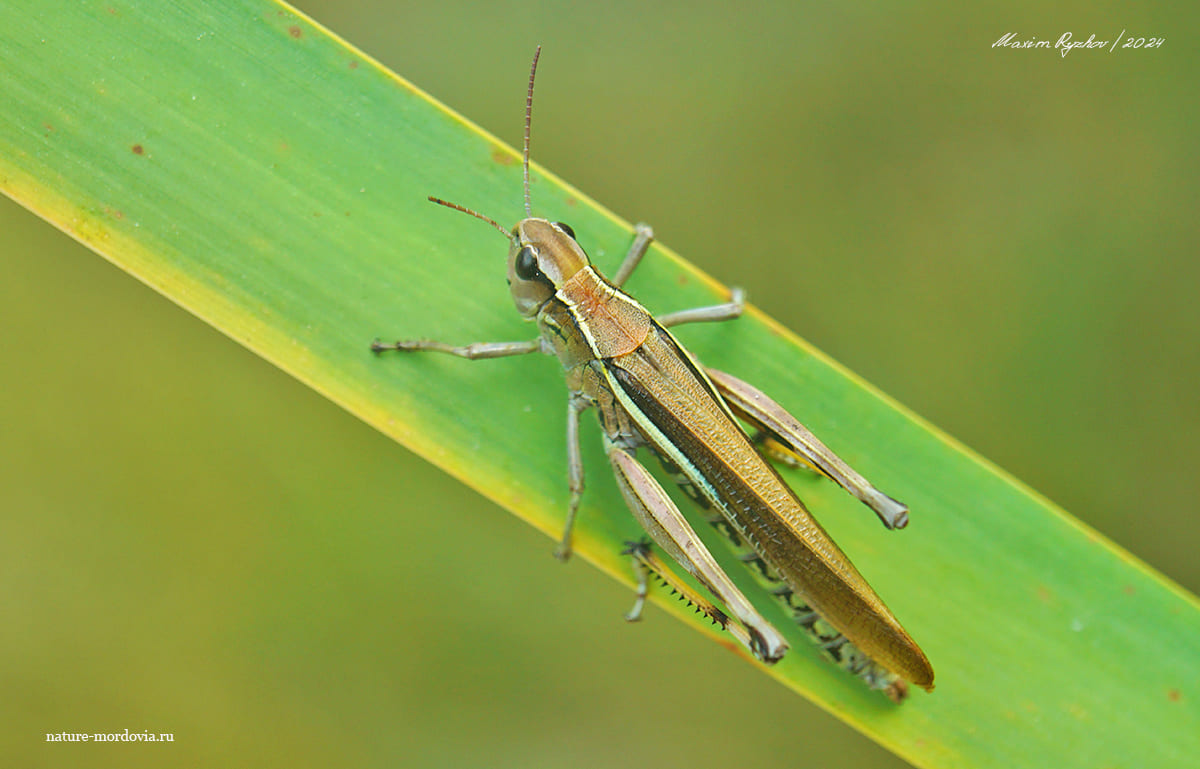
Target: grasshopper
(648,391)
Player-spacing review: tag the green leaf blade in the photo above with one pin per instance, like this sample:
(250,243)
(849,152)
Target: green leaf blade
(272,180)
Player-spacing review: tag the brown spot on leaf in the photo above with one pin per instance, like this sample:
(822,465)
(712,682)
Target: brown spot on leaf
(504,157)
(138,149)
(295,31)
(354,64)
(1174,695)
(1043,594)
(682,279)
(1128,590)
(730,645)
(572,201)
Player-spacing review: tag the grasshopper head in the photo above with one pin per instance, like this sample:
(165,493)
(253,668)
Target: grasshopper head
(542,257)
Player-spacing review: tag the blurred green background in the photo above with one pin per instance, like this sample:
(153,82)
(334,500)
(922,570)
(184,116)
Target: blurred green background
(1005,241)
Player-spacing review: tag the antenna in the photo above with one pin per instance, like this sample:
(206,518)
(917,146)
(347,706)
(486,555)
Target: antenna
(524,161)
(476,214)
(528,120)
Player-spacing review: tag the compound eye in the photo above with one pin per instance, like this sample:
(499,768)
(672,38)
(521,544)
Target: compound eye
(526,265)
(566,228)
